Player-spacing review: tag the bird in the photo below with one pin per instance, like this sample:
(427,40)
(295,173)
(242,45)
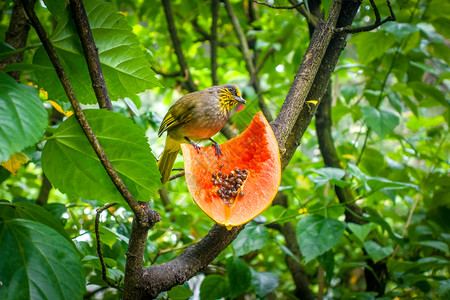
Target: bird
(196,116)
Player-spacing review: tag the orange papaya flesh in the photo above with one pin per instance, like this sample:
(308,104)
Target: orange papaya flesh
(254,150)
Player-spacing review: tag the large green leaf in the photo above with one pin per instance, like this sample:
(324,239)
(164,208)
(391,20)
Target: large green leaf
(264,282)
(372,45)
(361,231)
(377,252)
(316,235)
(125,67)
(239,276)
(214,287)
(31,211)
(72,166)
(38,263)
(381,121)
(253,237)
(332,175)
(23,118)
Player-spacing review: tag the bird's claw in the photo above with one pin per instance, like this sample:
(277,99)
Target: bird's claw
(218,151)
(197,147)
(217,147)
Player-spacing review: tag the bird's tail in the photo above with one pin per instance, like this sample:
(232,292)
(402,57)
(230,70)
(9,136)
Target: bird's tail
(168,157)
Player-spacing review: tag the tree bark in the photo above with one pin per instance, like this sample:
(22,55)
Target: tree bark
(16,36)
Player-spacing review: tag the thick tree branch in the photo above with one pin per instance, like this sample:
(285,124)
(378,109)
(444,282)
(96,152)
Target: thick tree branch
(243,45)
(302,290)
(330,157)
(135,283)
(16,36)
(189,263)
(48,46)
(91,54)
(190,85)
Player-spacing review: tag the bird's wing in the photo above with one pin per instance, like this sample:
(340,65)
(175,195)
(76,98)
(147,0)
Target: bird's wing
(180,113)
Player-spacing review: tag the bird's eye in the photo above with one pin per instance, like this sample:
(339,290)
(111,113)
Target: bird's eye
(231,89)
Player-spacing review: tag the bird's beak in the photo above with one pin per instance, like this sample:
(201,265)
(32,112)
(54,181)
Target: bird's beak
(239,99)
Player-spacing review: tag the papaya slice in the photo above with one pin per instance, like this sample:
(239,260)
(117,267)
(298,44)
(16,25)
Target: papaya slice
(242,182)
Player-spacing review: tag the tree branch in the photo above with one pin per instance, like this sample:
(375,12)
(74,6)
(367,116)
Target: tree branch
(330,157)
(16,36)
(312,19)
(189,263)
(172,74)
(99,246)
(213,40)
(91,54)
(302,290)
(377,23)
(81,117)
(191,87)
(243,45)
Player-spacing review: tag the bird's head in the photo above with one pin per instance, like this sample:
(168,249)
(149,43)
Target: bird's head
(229,96)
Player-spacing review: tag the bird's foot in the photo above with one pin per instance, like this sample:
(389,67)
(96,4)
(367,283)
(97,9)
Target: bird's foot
(217,147)
(197,147)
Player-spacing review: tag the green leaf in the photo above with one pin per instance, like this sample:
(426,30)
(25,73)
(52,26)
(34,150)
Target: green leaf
(435,244)
(380,183)
(332,175)
(23,117)
(316,235)
(125,68)
(377,252)
(239,276)
(444,288)
(72,166)
(56,7)
(327,262)
(432,95)
(214,287)
(179,293)
(372,45)
(33,212)
(253,237)
(264,282)
(288,252)
(110,237)
(93,261)
(381,121)
(38,263)
(361,231)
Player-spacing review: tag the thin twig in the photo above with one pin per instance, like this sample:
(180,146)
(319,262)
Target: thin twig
(215,17)
(79,114)
(165,74)
(99,246)
(377,23)
(312,19)
(278,7)
(178,175)
(264,59)
(91,54)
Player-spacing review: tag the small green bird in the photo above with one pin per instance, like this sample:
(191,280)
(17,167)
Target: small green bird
(196,116)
